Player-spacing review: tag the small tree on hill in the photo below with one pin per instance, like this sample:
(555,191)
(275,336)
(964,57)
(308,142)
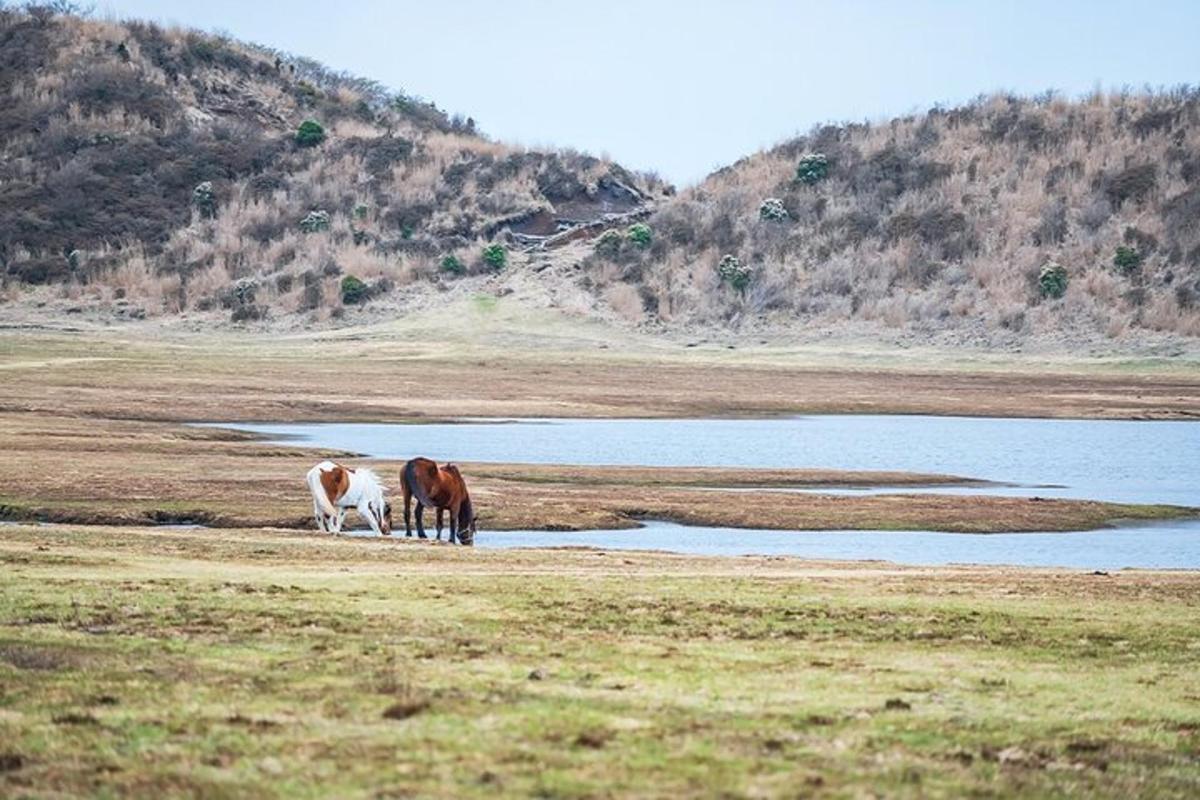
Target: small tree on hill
(608,244)
(813,168)
(310,133)
(1127,260)
(1052,280)
(453,265)
(495,256)
(354,291)
(315,221)
(772,210)
(640,234)
(204,198)
(731,271)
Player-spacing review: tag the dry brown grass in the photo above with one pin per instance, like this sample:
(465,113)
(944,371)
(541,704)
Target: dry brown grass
(1032,181)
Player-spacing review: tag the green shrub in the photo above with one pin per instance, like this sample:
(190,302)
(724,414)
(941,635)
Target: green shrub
(453,265)
(731,271)
(495,256)
(354,291)
(772,210)
(1052,281)
(204,198)
(640,234)
(315,222)
(1127,260)
(609,244)
(310,133)
(360,211)
(813,168)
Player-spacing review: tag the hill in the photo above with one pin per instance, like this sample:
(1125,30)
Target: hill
(186,171)
(947,220)
(166,173)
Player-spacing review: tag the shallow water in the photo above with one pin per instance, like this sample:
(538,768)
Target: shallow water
(1121,461)
(1173,545)
(1132,462)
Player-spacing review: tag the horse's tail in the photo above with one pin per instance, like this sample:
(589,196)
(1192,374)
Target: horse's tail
(318,491)
(414,484)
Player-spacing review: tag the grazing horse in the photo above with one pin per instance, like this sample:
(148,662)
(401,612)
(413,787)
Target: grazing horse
(442,488)
(336,488)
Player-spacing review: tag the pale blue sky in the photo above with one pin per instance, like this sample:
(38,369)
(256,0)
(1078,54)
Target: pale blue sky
(686,87)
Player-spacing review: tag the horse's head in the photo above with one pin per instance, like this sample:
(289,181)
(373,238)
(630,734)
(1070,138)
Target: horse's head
(466,535)
(385,519)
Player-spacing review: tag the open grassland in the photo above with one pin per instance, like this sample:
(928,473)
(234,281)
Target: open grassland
(496,359)
(138,661)
(101,471)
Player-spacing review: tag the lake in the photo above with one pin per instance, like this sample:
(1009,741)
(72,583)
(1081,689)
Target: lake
(1119,461)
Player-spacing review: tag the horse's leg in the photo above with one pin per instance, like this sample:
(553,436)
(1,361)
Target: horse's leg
(407,514)
(364,511)
(439,523)
(453,525)
(421,520)
(320,515)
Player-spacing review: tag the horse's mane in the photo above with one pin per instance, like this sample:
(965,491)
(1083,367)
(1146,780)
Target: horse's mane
(370,479)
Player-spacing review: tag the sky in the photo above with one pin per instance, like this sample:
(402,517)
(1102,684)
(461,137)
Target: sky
(682,88)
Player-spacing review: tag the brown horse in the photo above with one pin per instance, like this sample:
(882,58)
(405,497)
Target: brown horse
(442,488)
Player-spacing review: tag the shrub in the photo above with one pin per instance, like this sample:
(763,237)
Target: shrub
(731,271)
(354,291)
(1127,260)
(495,256)
(453,265)
(1052,280)
(772,210)
(639,233)
(310,133)
(813,168)
(205,199)
(609,244)
(315,222)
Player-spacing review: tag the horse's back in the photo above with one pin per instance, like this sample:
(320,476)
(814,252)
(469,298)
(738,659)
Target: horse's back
(333,479)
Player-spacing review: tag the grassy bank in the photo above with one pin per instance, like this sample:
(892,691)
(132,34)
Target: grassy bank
(253,663)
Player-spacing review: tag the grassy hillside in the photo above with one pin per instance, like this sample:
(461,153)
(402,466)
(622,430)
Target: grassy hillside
(154,172)
(946,220)
(180,171)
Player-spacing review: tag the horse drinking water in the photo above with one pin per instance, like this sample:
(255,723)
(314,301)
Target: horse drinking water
(442,488)
(336,488)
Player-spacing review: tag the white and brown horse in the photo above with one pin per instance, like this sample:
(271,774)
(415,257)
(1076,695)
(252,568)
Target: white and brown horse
(336,488)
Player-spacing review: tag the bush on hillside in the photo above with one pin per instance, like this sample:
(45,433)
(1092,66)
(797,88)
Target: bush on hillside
(1127,260)
(495,256)
(639,233)
(812,169)
(204,198)
(1052,280)
(453,265)
(310,133)
(315,222)
(772,210)
(731,271)
(354,291)
(609,244)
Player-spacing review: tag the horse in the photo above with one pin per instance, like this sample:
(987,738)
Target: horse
(442,488)
(336,488)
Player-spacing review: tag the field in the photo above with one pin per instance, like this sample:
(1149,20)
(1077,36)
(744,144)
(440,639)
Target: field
(262,663)
(257,658)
